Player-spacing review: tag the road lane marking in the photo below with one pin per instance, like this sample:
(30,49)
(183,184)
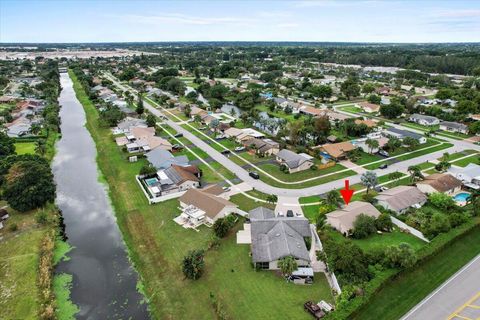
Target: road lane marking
(418,306)
(463,307)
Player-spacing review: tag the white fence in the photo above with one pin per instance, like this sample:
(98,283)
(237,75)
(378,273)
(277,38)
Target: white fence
(158,199)
(413,231)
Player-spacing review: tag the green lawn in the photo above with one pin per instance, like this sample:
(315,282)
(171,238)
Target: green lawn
(157,245)
(466,161)
(399,296)
(367,158)
(25,147)
(310,212)
(274,170)
(379,241)
(19,262)
(320,180)
(247,204)
(414,154)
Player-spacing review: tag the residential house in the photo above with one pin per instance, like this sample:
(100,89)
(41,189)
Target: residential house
(274,238)
(401,134)
(293,161)
(204,206)
(343,219)
(127,123)
(163,159)
(19,129)
(383,90)
(263,146)
(469,175)
(311,111)
(173,179)
(382,142)
(369,107)
(453,127)
(241,135)
(401,198)
(141,139)
(440,182)
(369,123)
(424,120)
(338,151)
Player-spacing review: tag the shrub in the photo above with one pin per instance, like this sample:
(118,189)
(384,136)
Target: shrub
(193,264)
(401,256)
(384,222)
(147,170)
(363,226)
(41,217)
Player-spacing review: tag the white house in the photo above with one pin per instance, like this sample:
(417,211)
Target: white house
(401,198)
(424,120)
(453,127)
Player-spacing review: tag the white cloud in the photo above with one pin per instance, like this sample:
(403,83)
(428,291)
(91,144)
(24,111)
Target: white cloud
(288,25)
(175,18)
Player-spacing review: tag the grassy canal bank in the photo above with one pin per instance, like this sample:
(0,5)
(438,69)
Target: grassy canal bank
(157,245)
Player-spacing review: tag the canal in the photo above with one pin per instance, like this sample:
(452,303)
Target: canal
(104,282)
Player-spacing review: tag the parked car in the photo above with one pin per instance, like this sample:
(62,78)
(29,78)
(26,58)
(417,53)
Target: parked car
(226,189)
(384,153)
(225,152)
(254,175)
(177,147)
(178,135)
(238,149)
(380,188)
(314,310)
(290,213)
(383,166)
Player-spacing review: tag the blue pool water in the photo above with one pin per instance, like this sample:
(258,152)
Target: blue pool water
(461,197)
(151,181)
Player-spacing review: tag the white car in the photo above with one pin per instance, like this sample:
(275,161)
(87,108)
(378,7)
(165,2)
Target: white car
(238,149)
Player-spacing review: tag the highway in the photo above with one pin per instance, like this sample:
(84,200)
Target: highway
(457,298)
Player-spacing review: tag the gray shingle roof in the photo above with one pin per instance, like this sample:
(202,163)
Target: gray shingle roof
(276,237)
(291,159)
(404,133)
(454,125)
(423,117)
(162,159)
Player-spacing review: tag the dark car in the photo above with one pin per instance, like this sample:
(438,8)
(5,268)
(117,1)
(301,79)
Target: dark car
(290,213)
(225,152)
(383,166)
(314,310)
(178,135)
(254,175)
(177,147)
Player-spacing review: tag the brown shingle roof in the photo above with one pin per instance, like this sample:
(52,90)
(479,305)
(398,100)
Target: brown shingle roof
(211,204)
(441,182)
(338,149)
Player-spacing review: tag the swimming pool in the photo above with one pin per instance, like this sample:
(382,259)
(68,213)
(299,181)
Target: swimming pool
(151,181)
(461,197)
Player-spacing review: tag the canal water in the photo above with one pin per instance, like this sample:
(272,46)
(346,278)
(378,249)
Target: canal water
(104,282)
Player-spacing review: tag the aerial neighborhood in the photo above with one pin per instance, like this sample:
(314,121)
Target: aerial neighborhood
(246,181)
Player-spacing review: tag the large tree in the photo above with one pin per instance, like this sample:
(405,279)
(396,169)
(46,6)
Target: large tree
(193,264)
(369,180)
(28,185)
(7,146)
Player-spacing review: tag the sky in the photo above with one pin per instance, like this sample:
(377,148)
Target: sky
(248,20)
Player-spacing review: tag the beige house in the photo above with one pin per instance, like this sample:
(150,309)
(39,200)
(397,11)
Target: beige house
(401,198)
(204,206)
(440,182)
(369,107)
(343,219)
(143,139)
(263,146)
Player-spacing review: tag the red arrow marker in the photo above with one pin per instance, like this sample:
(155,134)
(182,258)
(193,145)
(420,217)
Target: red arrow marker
(347,193)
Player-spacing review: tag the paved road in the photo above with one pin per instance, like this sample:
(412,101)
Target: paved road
(457,298)
(303,192)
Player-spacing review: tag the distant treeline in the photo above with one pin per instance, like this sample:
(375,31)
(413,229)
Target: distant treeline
(454,58)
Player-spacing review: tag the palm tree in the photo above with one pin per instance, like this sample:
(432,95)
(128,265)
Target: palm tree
(372,144)
(333,198)
(415,173)
(369,180)
(393,144)
(287,265)
(271,198)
